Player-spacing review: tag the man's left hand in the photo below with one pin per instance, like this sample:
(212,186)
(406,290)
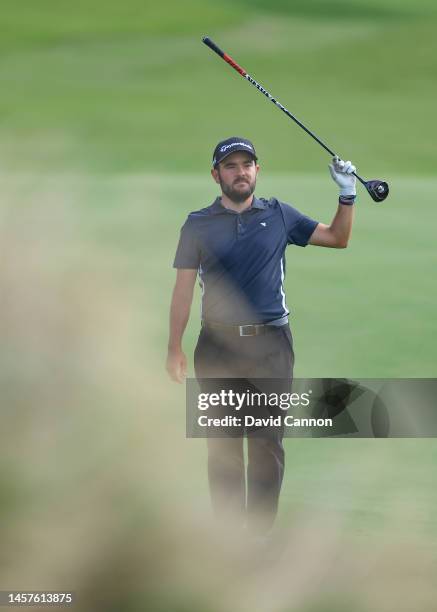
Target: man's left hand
(341,172)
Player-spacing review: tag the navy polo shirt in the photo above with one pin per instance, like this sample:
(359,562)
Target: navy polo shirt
(240,258)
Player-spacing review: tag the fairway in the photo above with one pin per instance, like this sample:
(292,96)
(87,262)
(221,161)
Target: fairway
(96,264)
(109,114)
(367,311)
(137,91)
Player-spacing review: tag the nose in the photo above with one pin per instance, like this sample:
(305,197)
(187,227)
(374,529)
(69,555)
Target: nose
(242,174)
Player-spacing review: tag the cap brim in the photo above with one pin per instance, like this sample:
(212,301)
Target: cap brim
(242,149)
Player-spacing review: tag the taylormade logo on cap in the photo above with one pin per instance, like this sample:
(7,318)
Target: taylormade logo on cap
(235,144)
(232,145)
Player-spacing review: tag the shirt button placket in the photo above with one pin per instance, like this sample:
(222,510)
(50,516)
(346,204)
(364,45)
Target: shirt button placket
(240,227)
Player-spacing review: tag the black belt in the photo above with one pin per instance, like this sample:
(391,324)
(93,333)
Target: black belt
(246,330)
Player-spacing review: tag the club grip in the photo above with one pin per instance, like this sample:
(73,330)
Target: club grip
(211,44)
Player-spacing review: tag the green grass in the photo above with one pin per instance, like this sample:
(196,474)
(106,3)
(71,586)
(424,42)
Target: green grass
(367,311)
(108,116)
(346,9)
(84,331)
(135,89)
(51,22)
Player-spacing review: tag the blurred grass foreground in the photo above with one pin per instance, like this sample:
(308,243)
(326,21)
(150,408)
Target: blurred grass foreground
(102,494)
(109,113)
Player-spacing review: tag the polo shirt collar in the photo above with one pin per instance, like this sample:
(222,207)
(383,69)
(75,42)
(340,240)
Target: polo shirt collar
(217,207)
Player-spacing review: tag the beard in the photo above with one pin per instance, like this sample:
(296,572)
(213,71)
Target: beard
(238,192)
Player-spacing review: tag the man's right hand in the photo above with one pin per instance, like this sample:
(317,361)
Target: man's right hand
(177,365)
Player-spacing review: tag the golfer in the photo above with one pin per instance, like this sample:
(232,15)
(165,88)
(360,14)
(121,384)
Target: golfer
(237,248)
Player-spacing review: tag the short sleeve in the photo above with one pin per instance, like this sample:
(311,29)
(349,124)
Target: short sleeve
(298,227)
(188,252)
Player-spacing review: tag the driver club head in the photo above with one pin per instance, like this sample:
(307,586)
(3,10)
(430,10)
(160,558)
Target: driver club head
(377,189)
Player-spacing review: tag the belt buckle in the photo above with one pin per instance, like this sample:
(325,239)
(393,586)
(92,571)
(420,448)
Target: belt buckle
(241,330)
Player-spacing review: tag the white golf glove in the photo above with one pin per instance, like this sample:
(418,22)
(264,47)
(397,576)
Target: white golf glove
(341,172)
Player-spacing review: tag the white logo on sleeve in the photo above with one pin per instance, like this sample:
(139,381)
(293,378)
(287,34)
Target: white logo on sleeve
(263,223)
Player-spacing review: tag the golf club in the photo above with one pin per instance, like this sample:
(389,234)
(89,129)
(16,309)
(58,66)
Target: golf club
(377,189)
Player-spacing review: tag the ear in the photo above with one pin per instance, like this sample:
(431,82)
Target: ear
(215,175)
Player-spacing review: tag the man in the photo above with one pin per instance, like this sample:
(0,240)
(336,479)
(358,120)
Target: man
(237,246)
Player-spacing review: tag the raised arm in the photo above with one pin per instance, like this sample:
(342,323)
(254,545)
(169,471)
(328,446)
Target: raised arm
(336,235)
(179,315)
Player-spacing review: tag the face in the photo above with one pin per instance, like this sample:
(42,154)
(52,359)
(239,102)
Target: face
(236,175)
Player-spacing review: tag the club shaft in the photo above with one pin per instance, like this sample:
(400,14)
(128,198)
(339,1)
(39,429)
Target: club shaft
(227,58)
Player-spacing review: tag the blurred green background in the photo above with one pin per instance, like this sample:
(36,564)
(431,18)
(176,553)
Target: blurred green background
(119,87)
(109,113)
